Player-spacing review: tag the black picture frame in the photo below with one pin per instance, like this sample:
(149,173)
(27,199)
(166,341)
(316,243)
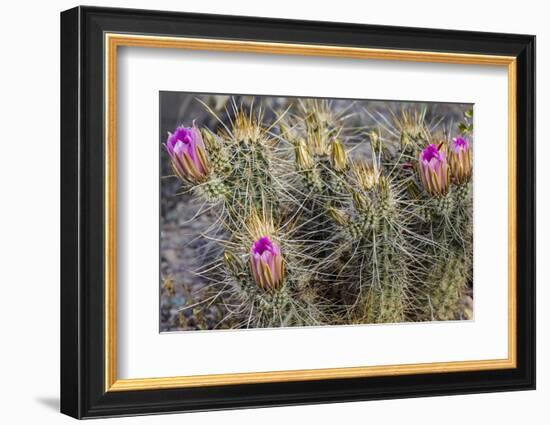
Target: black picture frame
(83,392)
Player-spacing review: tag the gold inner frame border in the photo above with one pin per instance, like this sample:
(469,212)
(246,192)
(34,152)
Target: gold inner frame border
(113,40)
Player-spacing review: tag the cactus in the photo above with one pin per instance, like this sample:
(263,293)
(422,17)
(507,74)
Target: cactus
(307,232)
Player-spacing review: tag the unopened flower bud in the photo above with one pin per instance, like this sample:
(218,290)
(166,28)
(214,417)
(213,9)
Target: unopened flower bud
(188,154)
(359,201)
(367,177)
(304,158)
(460,159)
(375,141)
(434,170)
(266,263)
(338,216)
(338,156)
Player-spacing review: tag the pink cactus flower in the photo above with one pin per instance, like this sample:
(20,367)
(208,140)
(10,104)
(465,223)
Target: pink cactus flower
(188,154)
(266,264)
(460,158)
(434,170)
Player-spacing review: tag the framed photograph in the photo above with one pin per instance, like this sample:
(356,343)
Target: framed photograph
(261,212)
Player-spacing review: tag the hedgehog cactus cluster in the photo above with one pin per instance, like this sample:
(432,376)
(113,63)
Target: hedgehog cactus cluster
(310,233)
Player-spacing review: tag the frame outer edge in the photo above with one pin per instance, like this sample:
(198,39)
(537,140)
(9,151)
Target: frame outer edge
(533,127)
(528,78)
(81,395)
(70,382)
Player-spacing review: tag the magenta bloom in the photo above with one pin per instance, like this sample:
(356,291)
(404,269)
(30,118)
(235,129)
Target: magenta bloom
(266,263)
(188,154)
(434,170)
(461,160)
